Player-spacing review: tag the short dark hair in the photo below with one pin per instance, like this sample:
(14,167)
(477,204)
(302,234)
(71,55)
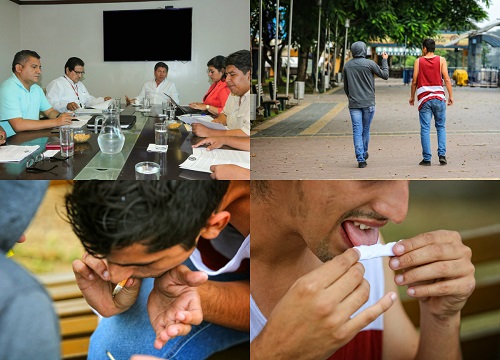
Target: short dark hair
(161,64)
(240,59)
(21,57)
(72,63)
(108,215)
(429,44)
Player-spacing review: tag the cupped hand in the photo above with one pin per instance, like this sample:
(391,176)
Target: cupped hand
(437,269)
(174,303)
(93,279)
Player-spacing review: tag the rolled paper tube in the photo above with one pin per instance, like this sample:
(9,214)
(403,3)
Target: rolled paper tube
(377,250)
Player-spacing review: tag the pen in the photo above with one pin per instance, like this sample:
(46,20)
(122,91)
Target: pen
(111,357)
(119,287)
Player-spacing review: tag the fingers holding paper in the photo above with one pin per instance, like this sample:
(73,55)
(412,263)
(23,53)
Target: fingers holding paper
(437,270)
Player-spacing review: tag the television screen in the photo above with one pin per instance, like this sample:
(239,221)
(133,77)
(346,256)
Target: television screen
(147,35)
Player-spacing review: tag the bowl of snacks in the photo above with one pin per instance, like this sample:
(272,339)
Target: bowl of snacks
(81,135)
(173,124)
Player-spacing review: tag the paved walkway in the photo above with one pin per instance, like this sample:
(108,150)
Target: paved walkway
(313,140)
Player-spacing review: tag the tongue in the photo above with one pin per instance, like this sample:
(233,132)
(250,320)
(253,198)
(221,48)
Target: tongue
(360,237)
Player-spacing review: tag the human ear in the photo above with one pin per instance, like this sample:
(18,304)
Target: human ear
(215,224)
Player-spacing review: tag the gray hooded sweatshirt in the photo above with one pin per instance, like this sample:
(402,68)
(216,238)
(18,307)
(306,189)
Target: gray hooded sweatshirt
(359,82)
(29,327)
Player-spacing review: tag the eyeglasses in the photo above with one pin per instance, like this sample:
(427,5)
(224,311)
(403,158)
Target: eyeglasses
(33,160)
(79,72)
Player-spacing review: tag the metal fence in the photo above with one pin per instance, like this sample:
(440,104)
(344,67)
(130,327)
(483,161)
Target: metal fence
(484,78)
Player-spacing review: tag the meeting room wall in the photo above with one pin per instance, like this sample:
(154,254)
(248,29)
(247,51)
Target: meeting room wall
(10,36)
(58,32)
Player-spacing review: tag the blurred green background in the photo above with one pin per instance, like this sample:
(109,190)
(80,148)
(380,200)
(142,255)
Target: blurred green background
(447,204)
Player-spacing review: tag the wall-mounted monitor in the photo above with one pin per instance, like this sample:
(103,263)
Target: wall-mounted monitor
(148,35)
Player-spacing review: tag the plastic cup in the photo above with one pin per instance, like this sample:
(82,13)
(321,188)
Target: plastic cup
(147,170)
(66,139)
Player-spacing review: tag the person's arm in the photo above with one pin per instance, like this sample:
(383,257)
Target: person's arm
(55,96)
(221,119)
(438,271)
(55,119)
(414,83)
(447,81)
(226,303)
(384,71)
(229,172)
(346,85)
(3,136)
(237,142)
(202,131)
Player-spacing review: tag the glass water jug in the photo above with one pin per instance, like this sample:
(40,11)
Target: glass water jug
(111,138)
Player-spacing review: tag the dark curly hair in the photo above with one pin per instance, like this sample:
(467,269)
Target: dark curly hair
(108,215)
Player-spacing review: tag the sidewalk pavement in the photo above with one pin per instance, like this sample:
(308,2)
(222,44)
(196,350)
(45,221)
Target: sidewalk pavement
(313,140)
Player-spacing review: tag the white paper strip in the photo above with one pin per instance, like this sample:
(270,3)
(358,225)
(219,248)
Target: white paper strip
(377,250)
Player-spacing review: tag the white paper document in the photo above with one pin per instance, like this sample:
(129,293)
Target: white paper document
(201,160)
(103,105)
(81,121)
(16,153)
(204,120)
(377,250)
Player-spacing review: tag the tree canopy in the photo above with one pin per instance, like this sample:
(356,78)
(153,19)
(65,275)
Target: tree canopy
(399,20)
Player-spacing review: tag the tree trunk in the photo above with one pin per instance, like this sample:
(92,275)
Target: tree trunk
(302,65)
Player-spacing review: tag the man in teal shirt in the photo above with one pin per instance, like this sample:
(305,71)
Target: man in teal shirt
(22,100)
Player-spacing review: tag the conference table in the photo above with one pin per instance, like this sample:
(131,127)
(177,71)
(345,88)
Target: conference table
(90,163)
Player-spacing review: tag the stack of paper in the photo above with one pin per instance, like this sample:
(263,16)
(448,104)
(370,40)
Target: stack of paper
(201,160)
(15,153)
(201,119)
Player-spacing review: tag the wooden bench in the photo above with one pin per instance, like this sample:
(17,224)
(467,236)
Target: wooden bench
(266,103)
(282,98)
(78,321)
(480,325)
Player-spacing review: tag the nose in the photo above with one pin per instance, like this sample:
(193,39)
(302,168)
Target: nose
(392,200)
(118,273)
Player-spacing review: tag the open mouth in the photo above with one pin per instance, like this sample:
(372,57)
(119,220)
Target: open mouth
(358,233)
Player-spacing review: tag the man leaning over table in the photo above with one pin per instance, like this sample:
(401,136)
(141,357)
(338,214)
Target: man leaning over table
(236,113)
(68,92)
(156,89)
(22,100)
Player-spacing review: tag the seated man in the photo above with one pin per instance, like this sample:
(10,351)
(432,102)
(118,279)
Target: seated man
(68,92)
(142,231)
(156,89)
(236,113)
(26,307)
(227,171)
(22,100)
(312,298)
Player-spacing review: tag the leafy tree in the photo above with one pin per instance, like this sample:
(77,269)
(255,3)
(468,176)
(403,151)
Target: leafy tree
(399,20)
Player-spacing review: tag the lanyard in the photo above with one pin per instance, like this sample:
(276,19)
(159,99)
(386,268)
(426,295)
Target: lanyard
(75,89)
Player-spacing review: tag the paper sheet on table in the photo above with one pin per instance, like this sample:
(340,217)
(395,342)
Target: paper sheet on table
(102,105)
(82,120)
(201,160)
(15,153)
(81,111)
(204,120)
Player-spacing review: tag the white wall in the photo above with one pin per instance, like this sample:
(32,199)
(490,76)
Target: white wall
(58,32)
(10,37)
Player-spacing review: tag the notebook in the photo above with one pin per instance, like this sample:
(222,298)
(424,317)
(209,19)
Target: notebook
(126,122)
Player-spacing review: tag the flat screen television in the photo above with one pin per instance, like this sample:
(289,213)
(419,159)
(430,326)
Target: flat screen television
(148,35)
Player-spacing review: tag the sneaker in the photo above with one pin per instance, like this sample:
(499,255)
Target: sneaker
(362,164)
(442,160)
(425,163)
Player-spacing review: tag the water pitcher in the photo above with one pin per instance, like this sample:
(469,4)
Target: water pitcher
(111,138)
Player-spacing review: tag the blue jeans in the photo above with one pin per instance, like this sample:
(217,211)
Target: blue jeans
(131,333)
(438,109)
(361,121)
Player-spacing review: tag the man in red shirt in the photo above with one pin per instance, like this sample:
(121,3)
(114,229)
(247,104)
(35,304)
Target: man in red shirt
(428,74)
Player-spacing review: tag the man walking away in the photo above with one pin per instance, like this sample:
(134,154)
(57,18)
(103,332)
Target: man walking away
(428,74)
(359,86)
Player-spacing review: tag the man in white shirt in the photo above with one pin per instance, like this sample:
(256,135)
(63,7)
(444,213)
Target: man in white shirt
(155,90)
(68,92)
(236,113)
